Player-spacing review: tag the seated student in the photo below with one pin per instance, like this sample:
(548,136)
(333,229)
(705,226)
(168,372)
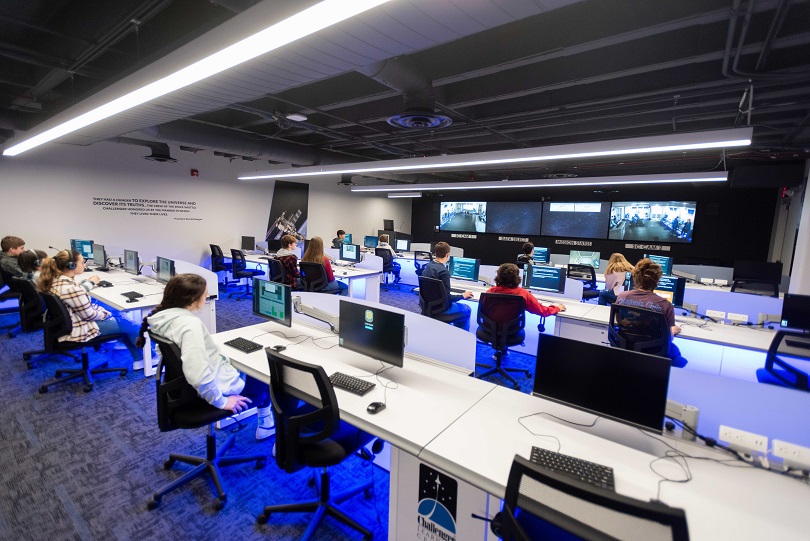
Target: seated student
(314,254)
(12,247)
(58,276)
(645,279)
(340,239)
(507,281)
(204,366)
(383,243)
(438,269)
(289,259)
(614,278)
(30,262)
(526,256)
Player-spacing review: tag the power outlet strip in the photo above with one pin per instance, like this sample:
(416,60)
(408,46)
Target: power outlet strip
(720,282)
(693,308)
(794,456)
(744,442)
(707,281)
(738,318)
(716,314)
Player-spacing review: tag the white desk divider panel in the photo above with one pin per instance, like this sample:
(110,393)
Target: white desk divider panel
(456,251)
(420,246)
(558,259)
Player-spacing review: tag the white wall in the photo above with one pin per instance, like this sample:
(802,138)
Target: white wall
(47,198)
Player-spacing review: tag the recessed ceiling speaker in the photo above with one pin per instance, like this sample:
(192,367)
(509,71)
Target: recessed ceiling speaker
(420,119)
(158,157)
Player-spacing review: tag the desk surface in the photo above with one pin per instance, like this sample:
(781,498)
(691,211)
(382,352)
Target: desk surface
(151,289)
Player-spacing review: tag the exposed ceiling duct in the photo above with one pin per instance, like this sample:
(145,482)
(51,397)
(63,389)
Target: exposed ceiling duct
(160,151)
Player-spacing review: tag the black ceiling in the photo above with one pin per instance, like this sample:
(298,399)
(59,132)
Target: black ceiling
(587,70)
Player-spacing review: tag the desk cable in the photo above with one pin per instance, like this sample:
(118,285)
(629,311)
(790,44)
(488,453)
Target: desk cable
(559,444)
(306,337)
(385,385)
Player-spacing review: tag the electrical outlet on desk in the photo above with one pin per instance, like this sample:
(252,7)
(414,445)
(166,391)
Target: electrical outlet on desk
(738,318)
(794,456)
(742,441)
(716,314)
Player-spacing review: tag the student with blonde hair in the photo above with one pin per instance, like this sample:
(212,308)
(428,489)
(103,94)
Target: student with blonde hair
(615,272)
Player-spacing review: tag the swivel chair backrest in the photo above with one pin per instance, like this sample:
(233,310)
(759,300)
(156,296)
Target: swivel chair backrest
(32,306)
(57,320)
(639,329)
(277,273)
(387,258)
(501,316)
(420,259)
(173,390)
(217,259)
(432,296)
(313,275)
(238,260)
(584,273)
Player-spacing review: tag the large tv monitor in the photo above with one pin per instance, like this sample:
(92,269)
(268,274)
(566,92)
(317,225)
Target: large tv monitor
(165,269)
(672,289)
(132,264)
(350,252)
(623,385)
(796,312)
(388,225)
(578,220)
(584,257)
(403,245)
(84,247)
(758,272)
(540,254)
(100,257)
(248,243)
(513,218)
(652,221)
(370,241)
(464,268)
(663,261)
(465,217)
(544,278)
(372,331)
(273,301)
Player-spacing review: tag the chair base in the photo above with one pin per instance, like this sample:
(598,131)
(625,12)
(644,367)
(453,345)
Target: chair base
(209,464)
(323,506)
(43,354)
(86,372)
(503,371)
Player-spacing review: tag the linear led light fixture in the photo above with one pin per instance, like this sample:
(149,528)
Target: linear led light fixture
(482,160)
(551,182)
(395,195)
(302,24)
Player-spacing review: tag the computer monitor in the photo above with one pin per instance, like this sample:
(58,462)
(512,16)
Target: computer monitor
(796,312)
(262,245)
(350,252)
(663,261)
(132,264)
(348,238)
(84,247)
(623,385)
(544,278)
(248,243)
(273,301)
(583,257)
(464,268)
(165,269)
(403,245)
(672,289)
(100,257)
(370,241)
(758,272)
(372,331)
(540,254)
(388,225)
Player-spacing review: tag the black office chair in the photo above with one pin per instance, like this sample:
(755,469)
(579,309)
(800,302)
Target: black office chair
(542,504)
(420,261)
(239,271)
(501,323)
(179,406)
(218,264)
(58,324)
(311,436)
(587,275)
(388,264)
(8,294)
(433,301)
(777,369)
(313,276)
(31,306)
(277,273)
(639,329)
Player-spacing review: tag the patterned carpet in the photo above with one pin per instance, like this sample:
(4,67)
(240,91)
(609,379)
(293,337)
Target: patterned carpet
(82,466)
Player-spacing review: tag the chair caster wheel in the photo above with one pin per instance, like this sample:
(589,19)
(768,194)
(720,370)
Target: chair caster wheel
(516,386)
(263,518)
(261,464)
(368,493)
(26,357)
(219,504)
(167,465)
(152,504)
(528,374)
(368,537)
(88,388)
(124,372)
(30,366)
(43,389)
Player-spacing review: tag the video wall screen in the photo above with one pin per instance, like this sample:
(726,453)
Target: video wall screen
(652,221)
(514,218)
(577,220)
(464,217)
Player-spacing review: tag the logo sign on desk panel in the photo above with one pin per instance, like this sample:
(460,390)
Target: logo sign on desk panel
(438,498)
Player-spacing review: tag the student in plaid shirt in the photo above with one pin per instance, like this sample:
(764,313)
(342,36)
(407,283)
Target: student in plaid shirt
(58,276)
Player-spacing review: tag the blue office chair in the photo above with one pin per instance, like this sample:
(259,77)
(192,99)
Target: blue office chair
(240,271)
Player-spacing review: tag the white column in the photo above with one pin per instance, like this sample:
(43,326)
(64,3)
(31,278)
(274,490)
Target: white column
(800,277)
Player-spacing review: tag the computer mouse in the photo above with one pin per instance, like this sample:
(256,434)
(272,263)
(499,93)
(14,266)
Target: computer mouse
(105,283)
(279,348)
(345,273)
(375,407)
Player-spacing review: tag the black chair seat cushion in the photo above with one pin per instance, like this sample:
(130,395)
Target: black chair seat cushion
(451,318)
(513,340)
(197,414)
(590,293)
(98,340)
(332,451)
(247,273)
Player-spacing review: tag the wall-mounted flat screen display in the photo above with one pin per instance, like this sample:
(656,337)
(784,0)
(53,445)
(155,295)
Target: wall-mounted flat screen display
(577,220)
(657,221)
(513,218)
(467,217)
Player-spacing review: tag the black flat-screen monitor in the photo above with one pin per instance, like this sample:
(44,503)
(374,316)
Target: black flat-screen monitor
(578,220)
(663,261)
(513,218)
(370,241)
(100,257)
(796,312)
(464,268)
(84,247)
(544,278)
(132,264)
(624,385)
(165,269)
(465,217)
(758,272)
(540,254)
(672,289)
(372,331)
(584,257)
(273,301)
(652,221)
(248,243)
(388,225)
(403,245)
(350,252)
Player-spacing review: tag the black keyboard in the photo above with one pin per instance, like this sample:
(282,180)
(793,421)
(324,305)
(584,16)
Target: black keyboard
(243,344)
(797,343)
(457,290)
(350,383)
(576,468)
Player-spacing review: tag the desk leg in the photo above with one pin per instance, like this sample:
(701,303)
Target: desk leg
(373,288)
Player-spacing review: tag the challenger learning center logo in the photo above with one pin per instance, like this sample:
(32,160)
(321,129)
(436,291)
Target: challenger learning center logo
(436,511)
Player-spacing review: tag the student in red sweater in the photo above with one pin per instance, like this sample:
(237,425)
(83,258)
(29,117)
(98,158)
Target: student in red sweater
(507,281)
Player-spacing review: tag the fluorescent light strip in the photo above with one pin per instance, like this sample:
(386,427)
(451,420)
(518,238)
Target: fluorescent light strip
(552,183)
(661,143)
(394,195)
(309,21)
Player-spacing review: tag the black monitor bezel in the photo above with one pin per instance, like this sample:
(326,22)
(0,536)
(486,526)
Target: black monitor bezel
(103,262)
(527,279)
(137,262)
(157,269)
(407,248)
(790,300)
(83,241)
(250,245)
(451,266)
(287,321)
(358,251)
(680,289)
(396,358)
